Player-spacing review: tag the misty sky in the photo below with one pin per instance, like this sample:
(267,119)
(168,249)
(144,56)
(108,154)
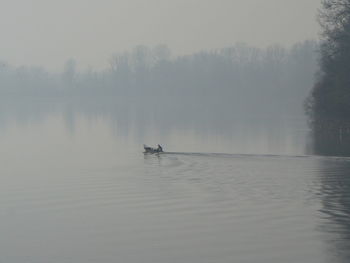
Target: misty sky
(47,33)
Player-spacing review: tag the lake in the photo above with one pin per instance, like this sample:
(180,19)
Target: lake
(232,187)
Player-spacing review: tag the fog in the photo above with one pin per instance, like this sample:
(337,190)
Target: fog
(221,85)
(47,33)
(241,78)
(247,57)
(240,99)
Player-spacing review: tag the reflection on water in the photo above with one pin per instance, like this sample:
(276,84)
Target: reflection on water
(75,186)
(335,197)
(185,126)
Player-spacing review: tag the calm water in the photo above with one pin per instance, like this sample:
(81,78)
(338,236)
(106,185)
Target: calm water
(75,187)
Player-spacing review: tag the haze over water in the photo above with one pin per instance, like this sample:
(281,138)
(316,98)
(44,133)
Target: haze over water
(76,187)
(222,85)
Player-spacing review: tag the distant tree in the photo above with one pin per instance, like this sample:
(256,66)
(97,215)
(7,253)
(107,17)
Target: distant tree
(161,53)
(69,71)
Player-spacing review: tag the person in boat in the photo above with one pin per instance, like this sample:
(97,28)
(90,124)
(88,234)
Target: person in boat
(152,150)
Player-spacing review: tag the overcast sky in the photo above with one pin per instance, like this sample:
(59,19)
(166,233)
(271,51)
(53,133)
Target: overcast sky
(48,32)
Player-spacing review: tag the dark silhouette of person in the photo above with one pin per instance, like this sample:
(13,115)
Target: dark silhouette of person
(160,149)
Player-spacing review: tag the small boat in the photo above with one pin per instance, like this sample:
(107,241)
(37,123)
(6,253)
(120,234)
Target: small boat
(148,149)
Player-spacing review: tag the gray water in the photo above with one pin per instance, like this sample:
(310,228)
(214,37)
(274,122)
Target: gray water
(76,187)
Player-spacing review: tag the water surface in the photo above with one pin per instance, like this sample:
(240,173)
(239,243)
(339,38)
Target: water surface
(75,187)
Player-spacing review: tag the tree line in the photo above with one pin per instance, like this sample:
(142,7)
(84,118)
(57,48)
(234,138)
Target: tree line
(328,105)
(275,78)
